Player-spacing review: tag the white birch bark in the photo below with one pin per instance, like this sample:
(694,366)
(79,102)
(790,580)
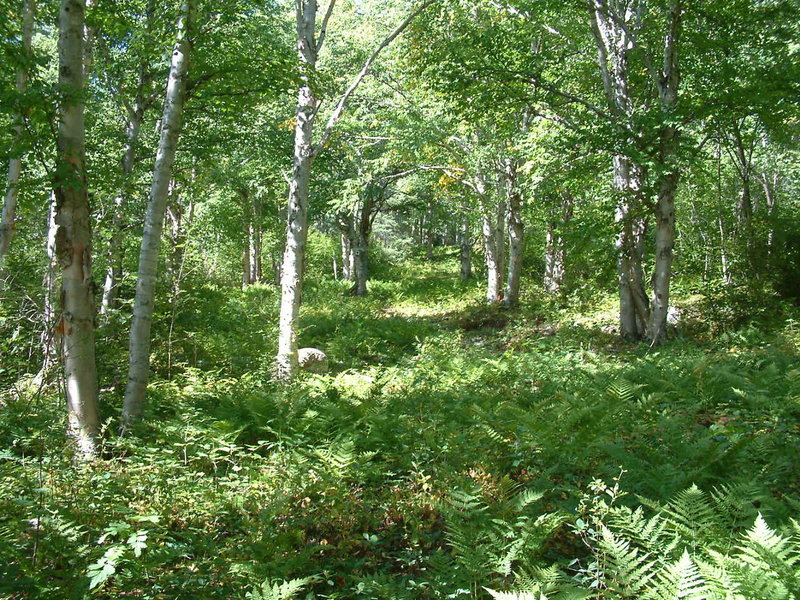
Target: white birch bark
(555,251)
(491,243)
(297,226)
(308,47)
(51,338)
(9,211)
(135,117)
(139,360)
(73,238)
(667,83)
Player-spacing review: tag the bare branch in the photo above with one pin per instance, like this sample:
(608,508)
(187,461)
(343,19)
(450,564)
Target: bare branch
(340,106)
(323,32)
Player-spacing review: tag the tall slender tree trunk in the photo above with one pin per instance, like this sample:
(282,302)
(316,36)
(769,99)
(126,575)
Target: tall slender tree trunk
(51,338)
(770,184)
(348,268)
(139,361)
(613,45)
(667,83)
(430,231)
(465,247)
(516,236)
(363,228)
(114,266)
(257,240)
(9,212)
(494,263)
(74,237)
(247,236)
(135,117)
(297,227)
(308,47)
(555,251)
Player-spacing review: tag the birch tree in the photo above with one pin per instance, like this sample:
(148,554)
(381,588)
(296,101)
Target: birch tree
(139,361)
(74,237)
(9,211)
(309,45)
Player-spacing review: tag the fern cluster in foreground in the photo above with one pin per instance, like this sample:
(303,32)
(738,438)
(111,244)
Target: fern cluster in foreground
(691,548)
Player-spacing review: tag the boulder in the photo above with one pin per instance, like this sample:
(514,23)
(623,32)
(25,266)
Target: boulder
(312,360)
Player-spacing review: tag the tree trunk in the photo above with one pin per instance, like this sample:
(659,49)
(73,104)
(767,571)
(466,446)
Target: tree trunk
(494,263)
(135,116)
(297,227)
(51,338)
(555,252)
(74,237)
(430,232)
(516,236)
(114,266)
(633,303)
(465,247)
(669,145)
(9,212)
(613,44)
(363,220)
(139,362)
(247,246)
(348,268)
(257,240)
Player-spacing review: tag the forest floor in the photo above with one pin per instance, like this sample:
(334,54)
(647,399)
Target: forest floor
(450,447)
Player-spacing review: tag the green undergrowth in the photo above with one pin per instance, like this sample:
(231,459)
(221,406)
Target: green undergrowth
(452,450)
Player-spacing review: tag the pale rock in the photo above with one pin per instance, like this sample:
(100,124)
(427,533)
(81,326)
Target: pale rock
(312,360)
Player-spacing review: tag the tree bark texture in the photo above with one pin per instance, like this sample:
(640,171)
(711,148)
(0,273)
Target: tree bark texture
(297,216)
(9,211)
(465,247)
(74,237)
(139,361)
(667,83)
(616,28)
(516,235)
(305,151)
(555,252)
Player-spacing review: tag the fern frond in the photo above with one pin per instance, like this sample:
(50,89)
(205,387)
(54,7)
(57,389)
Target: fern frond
(628,570)
(286,590)
(681,580)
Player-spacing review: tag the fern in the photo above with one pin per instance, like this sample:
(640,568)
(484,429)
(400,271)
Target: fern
(681,580)
(690,549)
(286,590)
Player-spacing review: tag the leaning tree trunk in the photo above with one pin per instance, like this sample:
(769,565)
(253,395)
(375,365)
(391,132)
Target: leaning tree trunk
(139,361)
(114,266)
(9,212)
(74,237)
(516,237)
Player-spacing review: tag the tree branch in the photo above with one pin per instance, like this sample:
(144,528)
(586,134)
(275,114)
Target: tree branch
(340,106)
(323,32)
